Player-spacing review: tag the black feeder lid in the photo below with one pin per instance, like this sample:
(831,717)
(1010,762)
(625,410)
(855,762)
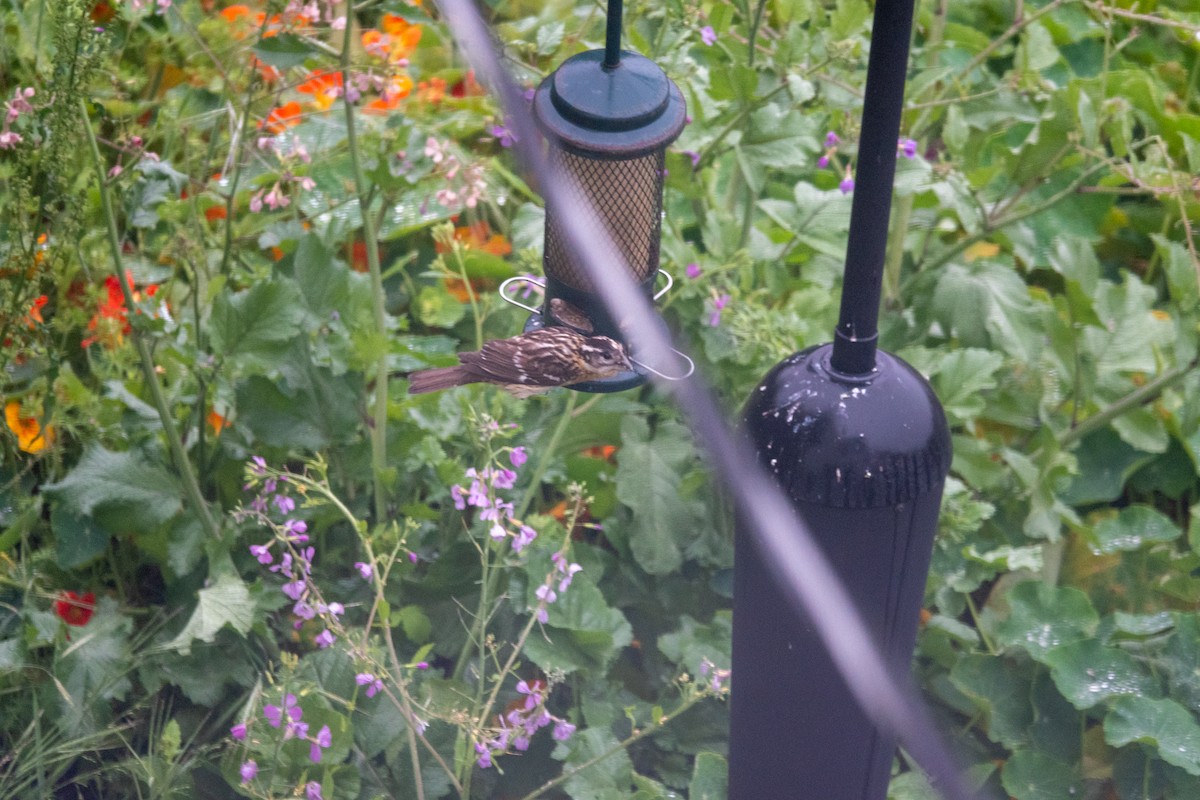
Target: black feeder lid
(595,111)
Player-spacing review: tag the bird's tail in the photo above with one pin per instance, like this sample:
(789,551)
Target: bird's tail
(433,380)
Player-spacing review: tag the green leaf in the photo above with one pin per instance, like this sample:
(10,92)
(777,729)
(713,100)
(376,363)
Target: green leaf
(1043,617)
(1089,672)
(322,280)
(95,665)
(1162,724)
(1002,691)
(257,324)
(648,481)
(848,18)
(226,601)
(78,539)
(1031,775)
(147,494)
(1104,463)
(284,51)
(583,632)
(436,308)
(415,623)
(987,304)
(1133,528)
(549,37)
(608,778)
(710,778)
(962,377)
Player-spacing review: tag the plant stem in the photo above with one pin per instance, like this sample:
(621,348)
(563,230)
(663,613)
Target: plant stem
(1130,401)
(178,455)
(628,741)
(378,311)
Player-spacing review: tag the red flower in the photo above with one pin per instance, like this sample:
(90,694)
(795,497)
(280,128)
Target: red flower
(74,608)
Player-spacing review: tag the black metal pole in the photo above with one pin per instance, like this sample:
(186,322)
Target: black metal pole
(857,330)
(859,443)
(612,34)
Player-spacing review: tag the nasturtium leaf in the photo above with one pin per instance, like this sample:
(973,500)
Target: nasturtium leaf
(78,539)
(438,309)
(1043,617)
(910,786)
(1133,528)
(1090,672)
(226,601)
(986,303)
(1144,429)
(1032,775)
(1003,690)
(283,51)
(1103,463)
(710,778)
(692,643)
(1143,624)
(1163,724)
(1179,660)
(962,378)
(147,494)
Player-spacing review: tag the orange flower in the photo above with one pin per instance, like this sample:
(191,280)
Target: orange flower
(110,323)
(396,42)
(325,87)
(31,436)
(34,317)
(398,88)
(216,422)
(283,117)
(479,236)
(432,90)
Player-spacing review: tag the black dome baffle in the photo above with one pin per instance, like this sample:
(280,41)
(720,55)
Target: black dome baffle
(607,127)
(863,461)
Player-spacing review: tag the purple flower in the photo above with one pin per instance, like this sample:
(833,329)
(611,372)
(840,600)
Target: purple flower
(708,35)
(422,665)
(485,756)
(238,732)
(693,270)
(284,503)
(832,139)
(312,791)
(694,156)
(504,478)
(562,730)
(518,457)
(525,536)
(248,771)
(262,552)
(847,184)
(324,639)
(324,739)
(908,148)
(294,589)
(497,532)
(545,594)
(364,569)
(374,685)
(503,135)
(294,529)
(259,468)
(456,493)
(823,162)
(718,305)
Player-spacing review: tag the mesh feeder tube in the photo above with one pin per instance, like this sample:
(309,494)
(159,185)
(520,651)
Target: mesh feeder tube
(607,122)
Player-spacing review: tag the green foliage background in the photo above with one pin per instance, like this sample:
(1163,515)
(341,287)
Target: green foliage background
(1042,273)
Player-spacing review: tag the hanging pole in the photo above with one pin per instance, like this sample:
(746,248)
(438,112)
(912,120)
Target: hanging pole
(612,38)
(857,331)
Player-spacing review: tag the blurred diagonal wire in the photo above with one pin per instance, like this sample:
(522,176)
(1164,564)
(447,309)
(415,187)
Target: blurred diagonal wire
(889,700)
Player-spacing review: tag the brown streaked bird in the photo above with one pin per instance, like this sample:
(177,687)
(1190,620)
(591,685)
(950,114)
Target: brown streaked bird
(530,363)
(570,315)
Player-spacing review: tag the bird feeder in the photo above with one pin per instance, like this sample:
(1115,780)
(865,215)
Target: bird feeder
(607,116)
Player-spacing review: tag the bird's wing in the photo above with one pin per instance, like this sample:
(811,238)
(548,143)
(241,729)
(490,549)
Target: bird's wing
(537,358)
